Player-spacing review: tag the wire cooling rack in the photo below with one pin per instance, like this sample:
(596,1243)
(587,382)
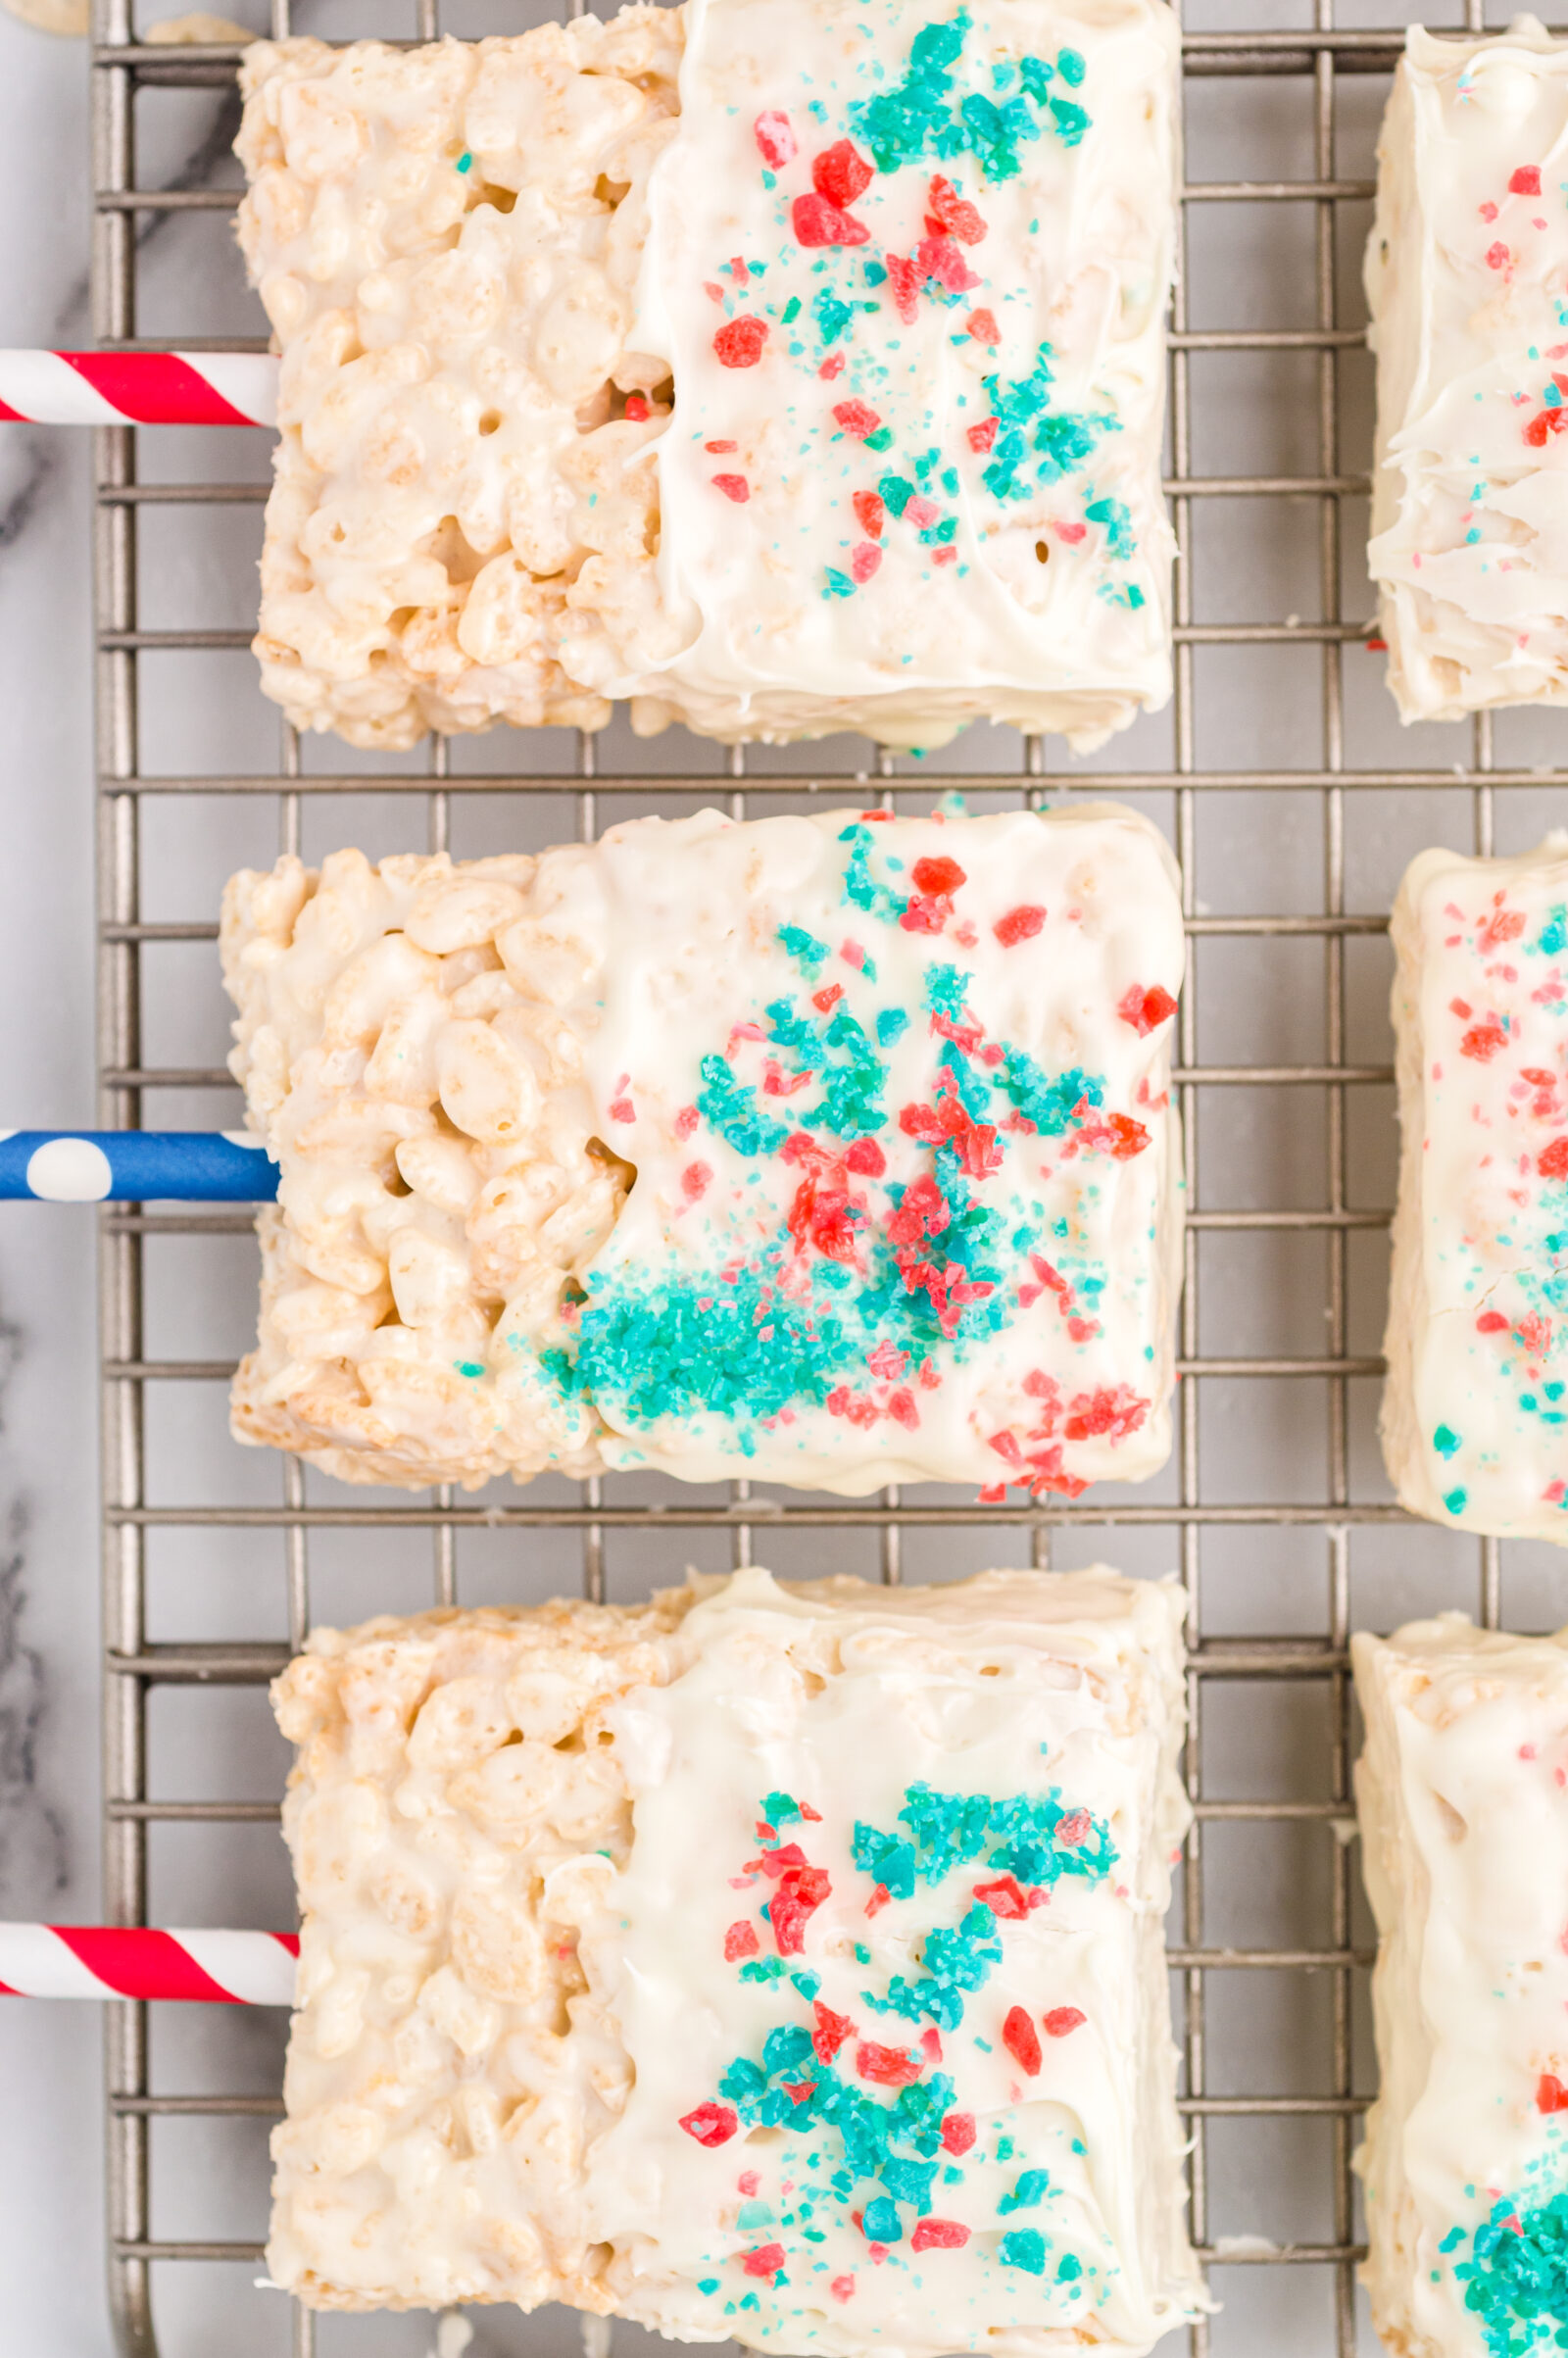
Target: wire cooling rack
(1293,801)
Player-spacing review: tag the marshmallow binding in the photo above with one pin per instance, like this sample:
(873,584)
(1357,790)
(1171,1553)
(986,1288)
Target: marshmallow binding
(781,366)
(831,1151)
(1464,1846)
(776,1964)
(1467,281)
(1475,1409)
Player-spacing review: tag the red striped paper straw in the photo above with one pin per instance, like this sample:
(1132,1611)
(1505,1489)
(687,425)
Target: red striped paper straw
(138,388)
(111,1960)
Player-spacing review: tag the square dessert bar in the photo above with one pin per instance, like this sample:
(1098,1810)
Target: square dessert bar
(773,1963)
(1467,280)
(831,1151)
(1475,1409)
(1464,1846)
(780,370)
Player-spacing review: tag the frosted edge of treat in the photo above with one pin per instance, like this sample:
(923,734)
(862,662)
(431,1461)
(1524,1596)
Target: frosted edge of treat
(466,525)
(1473,1420)
(1465,272)
(1460,1804)
(910,1196)
(528,1954)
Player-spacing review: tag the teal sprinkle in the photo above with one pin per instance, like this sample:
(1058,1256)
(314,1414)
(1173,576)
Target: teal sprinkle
(1036,446)
(780,1810)
(891,1024)
(804,947)
(708,2283)
(860,885)
(763,1969)
(791,312)
(751,2301)
(945,988)
(1552,940)
(1005,2144)
(862,1955)
(881,440)
(1031,2188)
(919,117)
(887,1860)
(896,491)
(754,2214)
(1457,1501)
(1069,2268)
(469,1367)
(1444,1440)
(1024,2247)
(1048,1104)
(1071,121)
(1517,2281)
(882,2222)
(1452,2240)
(807,1983)
(1070,66)
(839,585)
(731,1110)
(465,160)
(833,315)
(1118,523)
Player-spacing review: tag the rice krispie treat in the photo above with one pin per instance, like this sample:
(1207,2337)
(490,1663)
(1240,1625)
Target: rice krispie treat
(831,1151)
(780,375)
(1464,1846)
(782,1964)
(1467,280)
(1475,1409)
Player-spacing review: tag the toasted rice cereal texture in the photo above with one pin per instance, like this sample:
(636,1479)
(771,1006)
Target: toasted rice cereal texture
(453,1813)
(451,497)
(401,1054)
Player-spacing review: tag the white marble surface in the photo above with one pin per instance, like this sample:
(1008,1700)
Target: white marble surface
(1258,1002)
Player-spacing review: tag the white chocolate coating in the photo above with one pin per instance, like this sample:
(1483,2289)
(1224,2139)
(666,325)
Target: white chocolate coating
(1463,1799)
(1474,1427)
(484,261)
(602,2156)
(1467,281)
(893,1095)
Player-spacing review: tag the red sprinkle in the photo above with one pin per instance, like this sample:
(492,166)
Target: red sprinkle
(622,1109)
(694,1181)
(955,213)
(797,2090)
(800,1893)
(686,1121)
(867,1158)
(1482,1042)
(1075,1828)
(982,325)
(766,2260)
(1021,2040)
(871,513)
(893,2067)
(1145,1010)
(1552,1160)
(1006,1896)
(638,408)
(903,1410)
(945,556)
(881,1897)
(720,450)
(734,487)
(941,875)
(1062,2020)
(903,284)
(833,366)
(1550,2094)
(938,2234)
(1526,181)
(1498,257)
(840,173)
(739,342)
(940,258)
(831,2030)
(1377,646)
(818,222)
(1020,924)
(1492,1323)
(857,417)
(741,1941)
(774,134)
(983,437)
(958,2132)
(841,2287)
(712,2124)
(864,560)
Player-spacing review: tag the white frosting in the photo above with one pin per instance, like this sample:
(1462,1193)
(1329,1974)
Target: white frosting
(1467,280)
(1060,1695)
(894,1094)
(1464,1832)
(1475,1409)
(485,263)
(779,634)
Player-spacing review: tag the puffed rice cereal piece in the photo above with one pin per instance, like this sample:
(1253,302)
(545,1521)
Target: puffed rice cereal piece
(651,1962)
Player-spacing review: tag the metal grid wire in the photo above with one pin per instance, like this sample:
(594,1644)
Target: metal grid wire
(1262,2276)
